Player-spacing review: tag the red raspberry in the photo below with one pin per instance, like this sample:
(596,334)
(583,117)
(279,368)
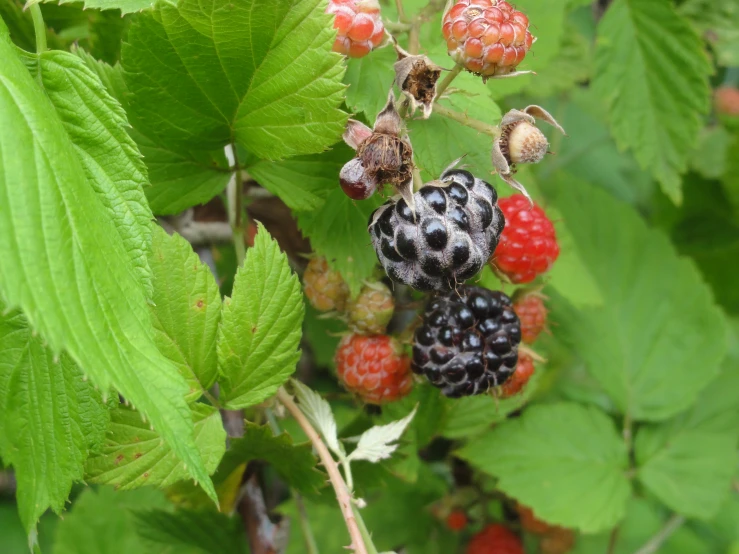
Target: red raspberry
(519,379)
(726,100)
(528,246)
(324,287)
(530,523)
(488,37)
(532,312)
(374,368)
(456,520)
(495,539)
(372,310)
(359,27)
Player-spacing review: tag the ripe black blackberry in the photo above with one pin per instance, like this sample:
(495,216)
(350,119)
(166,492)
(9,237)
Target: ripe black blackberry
(448,239)
(468,342)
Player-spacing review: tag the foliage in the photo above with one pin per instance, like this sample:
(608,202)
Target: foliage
(144,147)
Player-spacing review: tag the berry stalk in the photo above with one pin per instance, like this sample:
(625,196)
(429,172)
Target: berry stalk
(332,468)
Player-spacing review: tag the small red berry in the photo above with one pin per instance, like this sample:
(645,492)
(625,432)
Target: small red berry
(456,520)
(528,245)
(374,368)
(495,539)
(532,312)
(358,26)
(324,287)
(726,100)
(488,37)
(355,182)
(521,375)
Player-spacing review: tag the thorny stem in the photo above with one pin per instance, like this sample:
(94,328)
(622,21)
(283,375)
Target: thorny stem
(308,536)
(653,544)
(456,70)
(337,481)
(235,195)
(371,549)
(476,124)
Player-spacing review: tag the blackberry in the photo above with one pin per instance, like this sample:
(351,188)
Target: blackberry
(449,237)
(468,342)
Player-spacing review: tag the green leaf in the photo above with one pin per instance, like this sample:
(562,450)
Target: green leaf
(126,6)
(134,455)
(369,79)
(66,266)
(295,464)
(263,74)
(96,125)
(180,177)
(261,326)
(657,316)
(303,182)
(338,231)
(204,531)
(103,521)
(186,310)
(653,73)
(710,156)
(439,141)
(565,461)
(689,461)
(51,419)
(718,22)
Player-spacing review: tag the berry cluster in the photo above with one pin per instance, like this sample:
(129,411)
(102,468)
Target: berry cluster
(358,26)
(446,240)
(488,37)
(468,342)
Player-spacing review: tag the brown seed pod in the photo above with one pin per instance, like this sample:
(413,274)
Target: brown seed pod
(416,76)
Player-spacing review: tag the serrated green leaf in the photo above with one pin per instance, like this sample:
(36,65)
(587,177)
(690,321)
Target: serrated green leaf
(295,464)
(260,328)
(689,461)
(203,531)
(51,420)
(126,6)
(102,521)
(96,125)
(66,266)
(303,182)
(263,74)
(653,73)
(186,310)
(657,317)
(319,413)
(134,455)
(338,231)
(369,79)
(718,21)
(180,178)
(379,442)
(565,461)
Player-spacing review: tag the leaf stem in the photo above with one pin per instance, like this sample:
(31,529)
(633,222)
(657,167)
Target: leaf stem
(371,548)
(305,527)
(337,481)
(39,28)
(464,119)
(235,195)
(653,544)
(456,70)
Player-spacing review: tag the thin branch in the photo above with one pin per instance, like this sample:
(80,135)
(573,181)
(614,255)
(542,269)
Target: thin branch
(401,11)
(653,544)
(235,195)
(337,481)
(464,119)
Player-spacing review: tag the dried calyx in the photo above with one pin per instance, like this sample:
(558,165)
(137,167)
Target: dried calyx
(383,156)
(416,77)
(521,142)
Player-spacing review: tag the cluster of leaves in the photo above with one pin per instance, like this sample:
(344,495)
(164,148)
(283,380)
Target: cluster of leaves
(114,335)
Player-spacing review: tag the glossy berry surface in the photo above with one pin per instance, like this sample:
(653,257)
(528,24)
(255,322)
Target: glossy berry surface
(520,378)
(532,312)
(358,25)
(456,520)
(324,287)
(372,310)
(495,539)
(355,182)
(528,246)
(449,238)
(374,368)
(488,37)
(468,341)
